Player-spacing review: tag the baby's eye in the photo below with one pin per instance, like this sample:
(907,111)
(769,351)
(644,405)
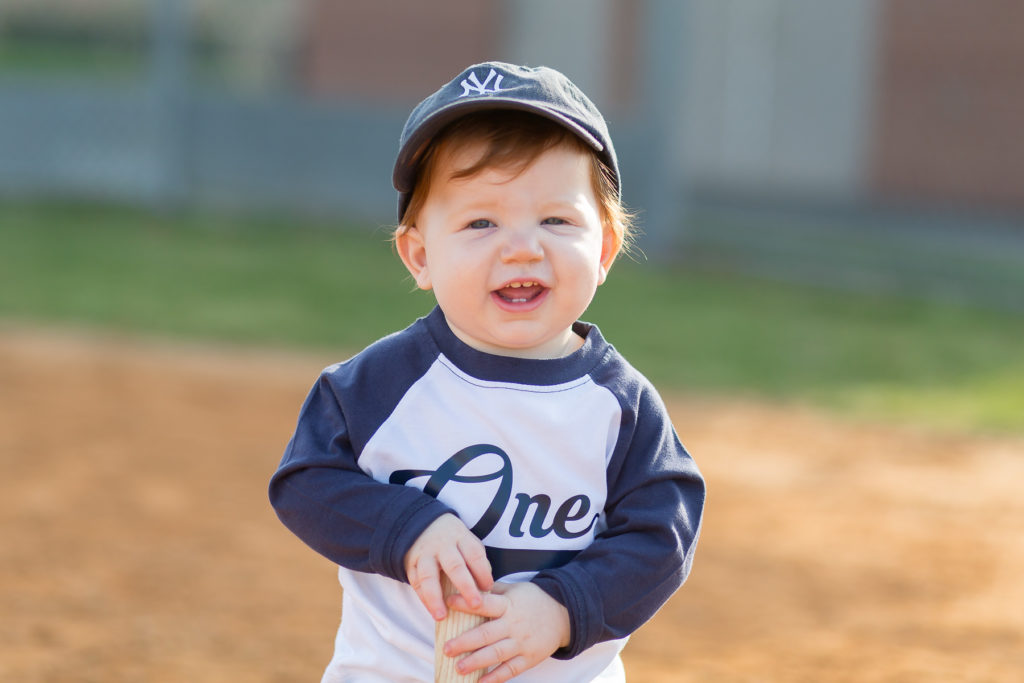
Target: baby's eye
(554,221)
(480,223)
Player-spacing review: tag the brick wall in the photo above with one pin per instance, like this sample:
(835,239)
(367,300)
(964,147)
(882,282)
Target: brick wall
(393,51)
(950,105)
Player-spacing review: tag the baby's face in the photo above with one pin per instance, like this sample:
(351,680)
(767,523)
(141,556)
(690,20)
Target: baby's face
(513,260)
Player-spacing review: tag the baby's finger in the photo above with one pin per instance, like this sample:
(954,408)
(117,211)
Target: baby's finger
(426,581)
(479,566)
(455,567)
(508,670)
(503,653)
(491,606)
(477,639)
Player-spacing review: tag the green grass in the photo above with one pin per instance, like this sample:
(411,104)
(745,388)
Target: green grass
(233,279)
(907,360)
(56,59)
(311,284)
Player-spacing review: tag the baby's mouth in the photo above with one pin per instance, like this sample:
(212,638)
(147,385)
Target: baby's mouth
(520,292)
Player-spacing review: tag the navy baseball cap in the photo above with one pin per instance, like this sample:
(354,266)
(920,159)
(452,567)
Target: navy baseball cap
(497,85)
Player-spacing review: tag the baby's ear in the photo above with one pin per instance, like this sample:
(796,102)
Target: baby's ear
(611,243)
(413,252)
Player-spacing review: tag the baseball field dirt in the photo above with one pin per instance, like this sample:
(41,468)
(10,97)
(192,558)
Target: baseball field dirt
(138,544)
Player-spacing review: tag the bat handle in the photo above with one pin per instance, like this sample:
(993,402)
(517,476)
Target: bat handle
(455,624)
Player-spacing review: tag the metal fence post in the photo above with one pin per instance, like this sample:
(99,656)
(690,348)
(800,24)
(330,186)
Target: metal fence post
(662,52)
(169,84)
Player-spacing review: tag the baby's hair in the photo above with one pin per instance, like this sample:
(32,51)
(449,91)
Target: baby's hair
(512,141)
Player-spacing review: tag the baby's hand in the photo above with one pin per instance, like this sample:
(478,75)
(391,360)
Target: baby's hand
(447,545)
(526,627)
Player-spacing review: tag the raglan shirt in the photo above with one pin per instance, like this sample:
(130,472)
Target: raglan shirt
(568,469)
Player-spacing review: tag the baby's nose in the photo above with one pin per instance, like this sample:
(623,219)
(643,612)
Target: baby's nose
(522,244)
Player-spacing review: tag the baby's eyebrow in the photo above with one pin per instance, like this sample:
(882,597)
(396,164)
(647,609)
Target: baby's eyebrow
(569,204)
(477,207)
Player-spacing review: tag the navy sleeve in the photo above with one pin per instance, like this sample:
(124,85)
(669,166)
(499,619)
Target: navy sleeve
(653,514)
(321,495)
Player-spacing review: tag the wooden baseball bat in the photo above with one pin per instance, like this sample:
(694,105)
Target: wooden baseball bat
(455,624)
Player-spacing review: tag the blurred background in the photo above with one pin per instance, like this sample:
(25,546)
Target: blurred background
(195,204)
(831,193)
(867,144)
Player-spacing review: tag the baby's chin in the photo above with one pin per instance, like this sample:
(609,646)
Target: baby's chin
(540,348)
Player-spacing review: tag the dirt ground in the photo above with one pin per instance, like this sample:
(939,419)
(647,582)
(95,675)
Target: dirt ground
(138,544)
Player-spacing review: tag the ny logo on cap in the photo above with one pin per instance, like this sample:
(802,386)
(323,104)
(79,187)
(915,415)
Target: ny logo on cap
(472,85)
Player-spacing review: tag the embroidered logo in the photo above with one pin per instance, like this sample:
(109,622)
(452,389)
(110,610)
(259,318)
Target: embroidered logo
(472,85)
